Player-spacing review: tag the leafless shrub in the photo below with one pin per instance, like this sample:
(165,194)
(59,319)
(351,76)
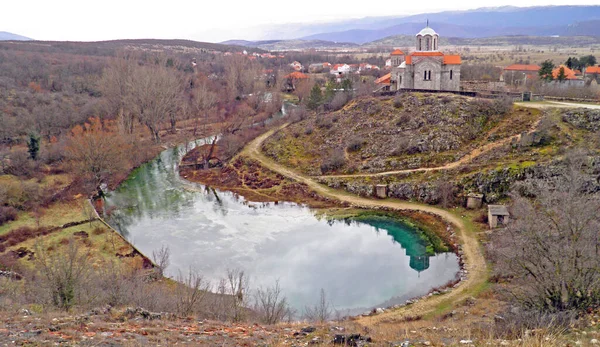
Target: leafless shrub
(321,312)
(7,214)
(339,101)
(271,305)
(518,325)
(502,106)
(161,258)
(355,143)
(398,102)
(551,247)
(64,274)
(335,161)
(190,292)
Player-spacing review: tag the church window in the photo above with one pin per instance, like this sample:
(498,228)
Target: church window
(420,45)
(425,75)
(428,43)
(450,74)
(429,75)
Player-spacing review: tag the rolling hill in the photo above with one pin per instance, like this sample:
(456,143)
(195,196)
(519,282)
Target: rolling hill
(6,36)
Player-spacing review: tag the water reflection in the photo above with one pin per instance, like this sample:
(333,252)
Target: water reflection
(359,264)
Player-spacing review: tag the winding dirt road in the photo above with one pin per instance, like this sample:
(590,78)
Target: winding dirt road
(474,261)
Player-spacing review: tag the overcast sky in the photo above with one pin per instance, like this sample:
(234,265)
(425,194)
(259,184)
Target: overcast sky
(203,20)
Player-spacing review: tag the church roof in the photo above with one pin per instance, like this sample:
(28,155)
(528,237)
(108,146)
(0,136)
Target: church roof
(427,31)
(452,60)
(397,52)
(423,54)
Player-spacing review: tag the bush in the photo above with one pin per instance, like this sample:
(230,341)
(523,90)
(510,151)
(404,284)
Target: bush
(502,106)
(398,102)
(20,165)
(339,101)
(355,144)
(513,326)
(308,131)
(335,161)
(7,214)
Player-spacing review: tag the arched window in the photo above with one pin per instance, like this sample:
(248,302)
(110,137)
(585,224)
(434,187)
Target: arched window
(429,75)
(434,44)
(420,44)
(450,74)
(425,75)
(428,44)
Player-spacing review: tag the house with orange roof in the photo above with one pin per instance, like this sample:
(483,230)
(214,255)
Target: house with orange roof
(427,67)
(569,79)
(592,71)
(520,74)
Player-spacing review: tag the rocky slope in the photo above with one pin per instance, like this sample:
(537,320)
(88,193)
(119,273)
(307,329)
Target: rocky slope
(380,134)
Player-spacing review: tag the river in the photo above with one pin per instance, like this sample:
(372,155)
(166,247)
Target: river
(360,265)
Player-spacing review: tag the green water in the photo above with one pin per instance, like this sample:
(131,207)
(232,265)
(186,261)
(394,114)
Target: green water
(360,265)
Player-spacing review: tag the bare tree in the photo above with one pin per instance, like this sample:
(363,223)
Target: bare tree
(237,286)
(190,292)
(156,96)
(321,312)
(204,99)
(271,304)
(96,153)
(116,86)
(64,272)
(552,246)
(161,258)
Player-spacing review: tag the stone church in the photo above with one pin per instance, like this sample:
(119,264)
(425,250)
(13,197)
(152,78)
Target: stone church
(426,68)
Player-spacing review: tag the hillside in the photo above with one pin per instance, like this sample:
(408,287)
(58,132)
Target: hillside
(378,134)
(6,36)
(107,48)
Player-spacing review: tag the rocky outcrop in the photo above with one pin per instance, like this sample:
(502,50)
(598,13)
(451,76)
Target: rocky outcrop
(583,118)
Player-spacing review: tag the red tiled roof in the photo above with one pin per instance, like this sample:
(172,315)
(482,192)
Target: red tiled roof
(397,52)
(296,75)
(385,79)
(522,67)
(570,74)
(427,54)
(593,69)
(452,60)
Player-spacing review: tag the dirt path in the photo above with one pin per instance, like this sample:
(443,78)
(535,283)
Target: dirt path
(474,261)
(557,104)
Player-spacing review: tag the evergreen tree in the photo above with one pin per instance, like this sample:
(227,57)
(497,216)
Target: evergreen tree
(33,145)
(330,88)
(569,63)
(347,85)
(561,74)
(545,71)
(315,98)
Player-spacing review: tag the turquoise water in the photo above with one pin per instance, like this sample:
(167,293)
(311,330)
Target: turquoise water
(360,265)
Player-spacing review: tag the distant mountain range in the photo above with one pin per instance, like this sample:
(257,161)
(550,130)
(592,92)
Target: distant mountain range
(532,21)
(6,36)
(478,23)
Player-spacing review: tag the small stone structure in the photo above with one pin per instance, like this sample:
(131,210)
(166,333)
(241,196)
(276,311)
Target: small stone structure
(497,216)
(381,191)
(474,201)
